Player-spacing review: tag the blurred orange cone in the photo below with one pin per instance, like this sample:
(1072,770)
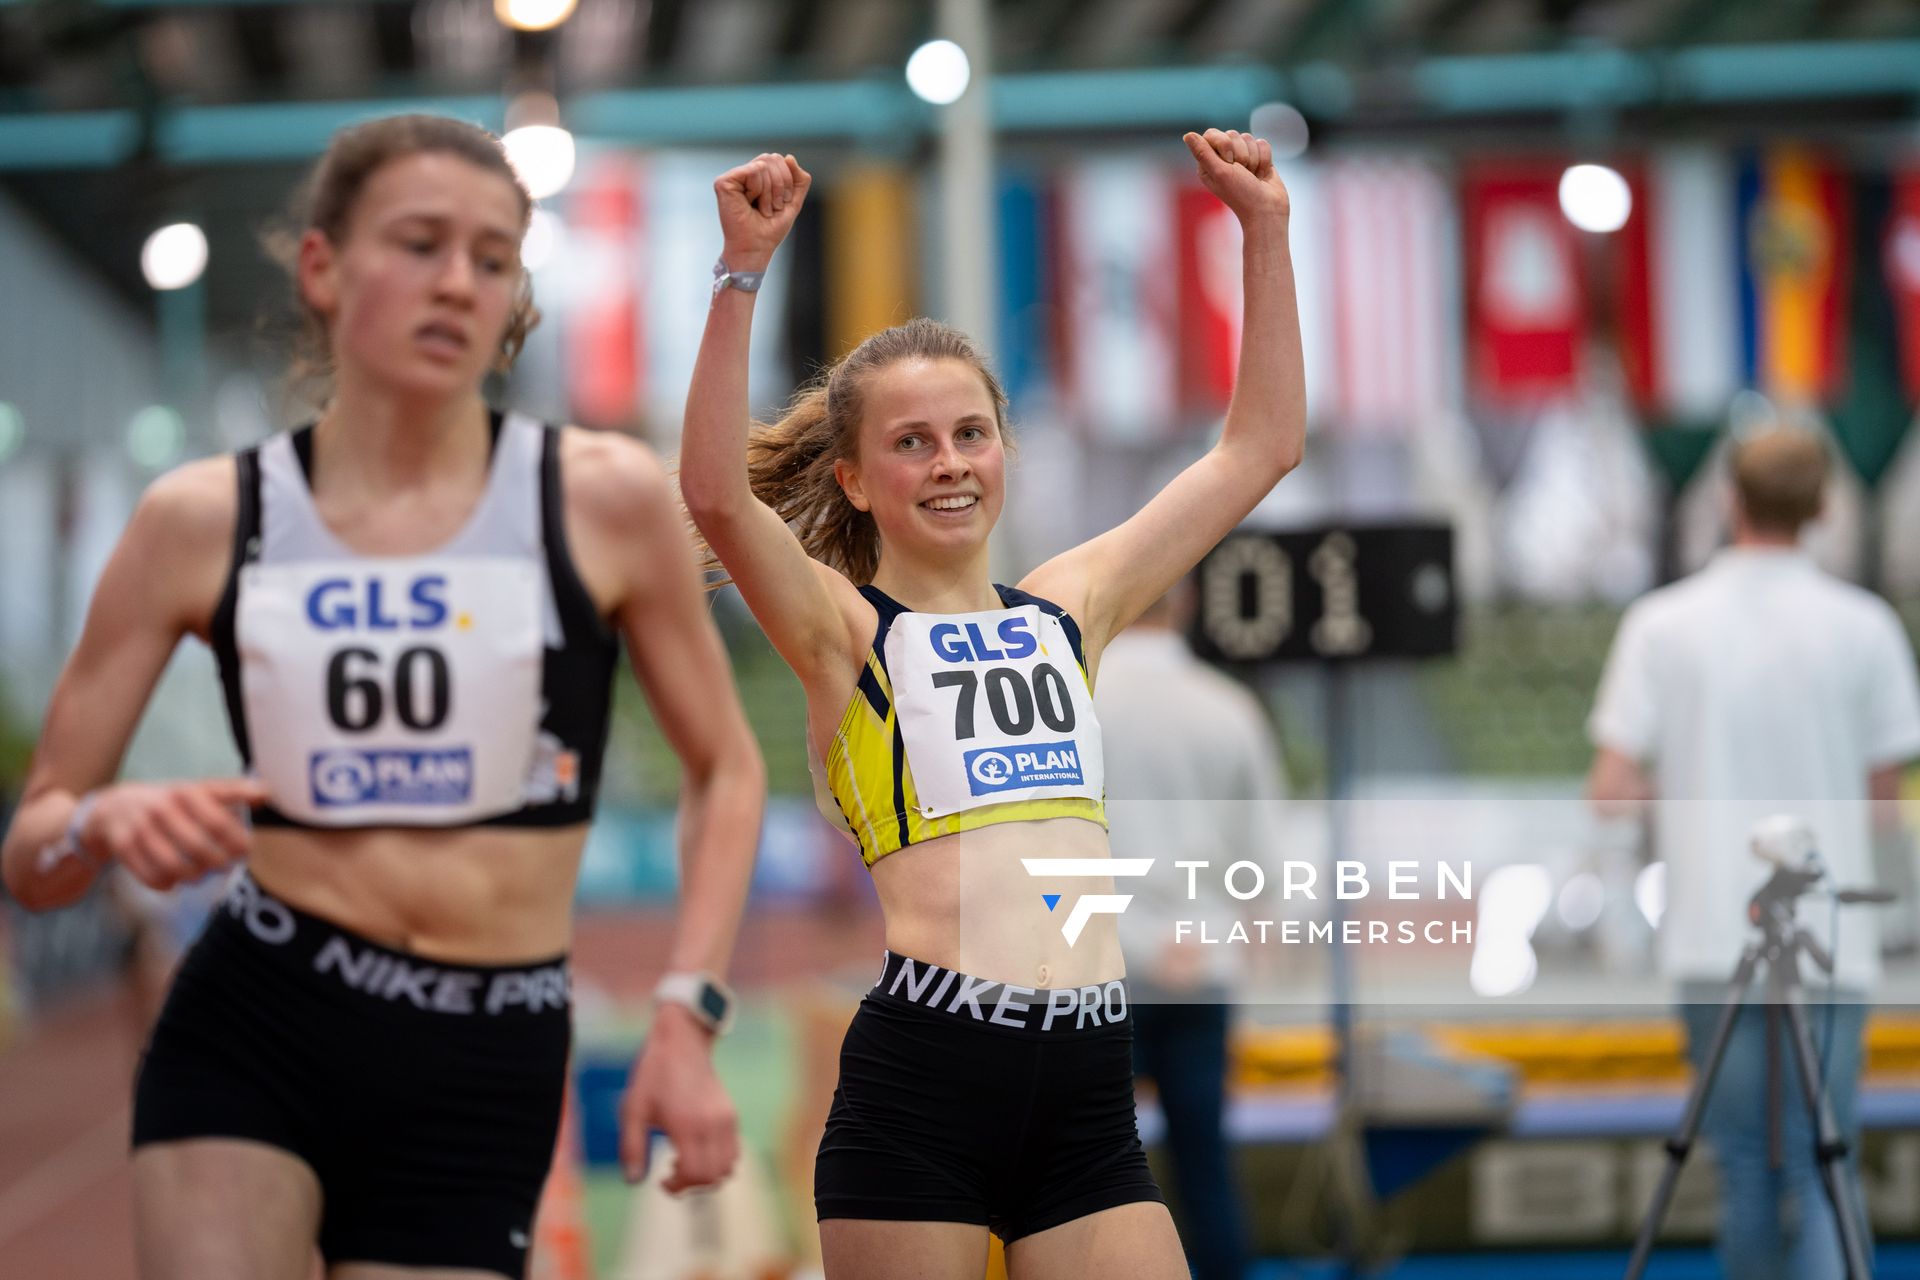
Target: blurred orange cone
(561,1249)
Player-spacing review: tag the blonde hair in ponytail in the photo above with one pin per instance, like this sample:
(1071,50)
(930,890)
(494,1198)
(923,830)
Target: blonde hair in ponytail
(790,462)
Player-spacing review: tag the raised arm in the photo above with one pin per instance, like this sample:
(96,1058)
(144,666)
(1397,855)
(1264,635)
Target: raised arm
(1115,576)
(161,583)
(801,604)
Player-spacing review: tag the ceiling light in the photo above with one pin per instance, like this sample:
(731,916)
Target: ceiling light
(543,156)
(938,72)
(533,15)
(1595,198)
(174,256)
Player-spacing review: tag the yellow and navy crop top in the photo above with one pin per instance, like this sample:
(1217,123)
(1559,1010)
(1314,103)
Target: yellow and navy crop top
(962,721)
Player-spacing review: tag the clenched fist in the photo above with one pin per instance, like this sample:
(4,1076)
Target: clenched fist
(1238,168)
(758,203)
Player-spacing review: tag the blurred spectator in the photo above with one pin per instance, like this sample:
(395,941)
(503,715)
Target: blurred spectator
(1193,774)
(1761,685)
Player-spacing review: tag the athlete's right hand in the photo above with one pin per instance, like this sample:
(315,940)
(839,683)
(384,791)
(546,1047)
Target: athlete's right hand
(169,833)
(758,203)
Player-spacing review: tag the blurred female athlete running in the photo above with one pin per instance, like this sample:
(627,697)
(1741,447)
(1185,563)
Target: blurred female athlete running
(986,1081)
(416,604)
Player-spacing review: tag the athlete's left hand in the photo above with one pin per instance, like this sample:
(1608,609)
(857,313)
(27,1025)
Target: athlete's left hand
(1238,168)
(673,1089)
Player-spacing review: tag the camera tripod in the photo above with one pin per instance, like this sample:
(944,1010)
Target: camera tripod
(1776,952)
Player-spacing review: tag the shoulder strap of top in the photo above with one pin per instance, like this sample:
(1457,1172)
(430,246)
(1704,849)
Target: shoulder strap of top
(579,615)
(888,608)
(246,549)
(302,439)
(1014,598)
(303,442)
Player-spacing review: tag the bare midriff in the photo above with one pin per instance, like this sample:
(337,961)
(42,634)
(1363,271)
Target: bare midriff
(967,902)
(466,895)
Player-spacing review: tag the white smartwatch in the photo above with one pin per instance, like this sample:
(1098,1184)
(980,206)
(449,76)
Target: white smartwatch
(744,281)
(703,995)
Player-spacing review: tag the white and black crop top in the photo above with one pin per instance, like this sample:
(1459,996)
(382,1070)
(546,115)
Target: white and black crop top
(465,686)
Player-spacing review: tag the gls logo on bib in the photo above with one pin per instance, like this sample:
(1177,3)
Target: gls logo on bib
(954,642)
(341,604)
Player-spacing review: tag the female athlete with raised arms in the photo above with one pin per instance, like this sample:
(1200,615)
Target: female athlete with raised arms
(986,1081)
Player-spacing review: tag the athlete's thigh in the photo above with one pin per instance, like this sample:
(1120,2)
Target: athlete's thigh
(1128,1242)
(870,1249)
(223,1209)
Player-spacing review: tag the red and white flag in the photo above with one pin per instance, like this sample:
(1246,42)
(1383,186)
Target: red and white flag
(605,343)
(1902,254)
(1677,283)
(1118,289)
(1525,301)
(1210,292)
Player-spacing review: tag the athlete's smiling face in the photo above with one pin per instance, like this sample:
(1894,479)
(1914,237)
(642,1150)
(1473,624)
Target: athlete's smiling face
(418,293)
(931,464)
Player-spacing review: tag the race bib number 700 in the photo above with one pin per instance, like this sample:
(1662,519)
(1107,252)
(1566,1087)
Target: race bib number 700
(992,708)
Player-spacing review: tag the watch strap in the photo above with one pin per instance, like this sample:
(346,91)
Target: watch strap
(726,278)
(701,994)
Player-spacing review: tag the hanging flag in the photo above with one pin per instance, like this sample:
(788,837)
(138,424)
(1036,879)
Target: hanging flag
(1525,302)
(804,317)
(869,256)
(1390,220)
(604,338)
(1209,301)
(1310,245)
(1869,414)
(1792,227)
(1116,256)
(1901,258)
(682,240)
(1025,358)
(1676,279)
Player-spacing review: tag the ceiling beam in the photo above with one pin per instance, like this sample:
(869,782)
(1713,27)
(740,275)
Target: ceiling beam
(880,109)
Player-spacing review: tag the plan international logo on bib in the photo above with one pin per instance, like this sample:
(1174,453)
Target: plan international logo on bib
(1038,764)
(349,777)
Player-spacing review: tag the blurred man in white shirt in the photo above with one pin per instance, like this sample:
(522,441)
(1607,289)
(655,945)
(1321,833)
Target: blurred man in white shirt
(1759,686)
(1193,775)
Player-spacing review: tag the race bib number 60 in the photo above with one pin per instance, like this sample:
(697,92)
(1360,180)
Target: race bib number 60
(401,691)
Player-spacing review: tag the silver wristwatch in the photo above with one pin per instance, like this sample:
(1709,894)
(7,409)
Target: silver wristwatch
(744,281)
(703,995)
